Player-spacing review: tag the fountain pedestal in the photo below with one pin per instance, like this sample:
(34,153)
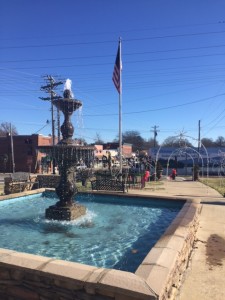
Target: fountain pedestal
(65,213)
(66,208)
(67,155)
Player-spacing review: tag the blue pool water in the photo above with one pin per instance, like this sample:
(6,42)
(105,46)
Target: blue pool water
(117,232)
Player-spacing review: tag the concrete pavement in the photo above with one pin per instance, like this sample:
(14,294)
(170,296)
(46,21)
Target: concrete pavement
(183,188)
(205,276)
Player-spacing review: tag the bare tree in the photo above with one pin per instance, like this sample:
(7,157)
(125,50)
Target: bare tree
(220,141)
(208,142)
(5,129)
(175,141)
(150,143)
(80,141)
(133,137)
(98,140)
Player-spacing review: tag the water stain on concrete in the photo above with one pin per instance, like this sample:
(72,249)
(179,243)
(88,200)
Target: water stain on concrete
(215,251)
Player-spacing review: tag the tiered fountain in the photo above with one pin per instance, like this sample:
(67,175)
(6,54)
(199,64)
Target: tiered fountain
(67,155)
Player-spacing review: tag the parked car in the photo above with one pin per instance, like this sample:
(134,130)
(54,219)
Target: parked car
(81,167)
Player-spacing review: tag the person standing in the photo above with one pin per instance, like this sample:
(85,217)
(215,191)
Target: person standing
(173,174)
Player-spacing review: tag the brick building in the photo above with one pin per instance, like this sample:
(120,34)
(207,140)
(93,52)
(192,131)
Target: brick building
(126,148)
(26,156)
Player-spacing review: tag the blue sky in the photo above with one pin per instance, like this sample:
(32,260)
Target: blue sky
(173,55)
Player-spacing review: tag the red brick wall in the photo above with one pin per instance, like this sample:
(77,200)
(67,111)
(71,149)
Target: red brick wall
(26,157)
(126,148)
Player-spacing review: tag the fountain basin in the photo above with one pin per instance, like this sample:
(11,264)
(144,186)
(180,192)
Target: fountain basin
(117,232)
(154,278)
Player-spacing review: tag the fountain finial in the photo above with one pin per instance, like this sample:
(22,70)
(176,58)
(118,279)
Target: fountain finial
(67,89)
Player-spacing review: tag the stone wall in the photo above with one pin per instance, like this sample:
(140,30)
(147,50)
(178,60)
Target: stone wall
(12,187)
(30,277)
(165,264)
(48,181)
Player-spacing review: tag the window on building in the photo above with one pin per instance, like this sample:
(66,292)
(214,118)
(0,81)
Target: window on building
(28,141)
(29,151)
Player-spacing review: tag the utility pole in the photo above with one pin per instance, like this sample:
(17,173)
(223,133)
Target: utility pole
(58,124)
(12,149)
(199,138)
(49,88)
(199,134)
(155,134)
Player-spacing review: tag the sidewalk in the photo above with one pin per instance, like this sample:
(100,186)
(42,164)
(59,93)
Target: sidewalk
(205,275)
(185,189)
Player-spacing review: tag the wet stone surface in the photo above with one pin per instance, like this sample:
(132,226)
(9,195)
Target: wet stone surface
(65,213)
(215,251)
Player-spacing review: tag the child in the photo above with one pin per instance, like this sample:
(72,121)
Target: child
(173,174)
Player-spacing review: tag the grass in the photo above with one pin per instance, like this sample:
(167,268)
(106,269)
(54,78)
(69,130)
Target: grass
(83,188)
(217,184)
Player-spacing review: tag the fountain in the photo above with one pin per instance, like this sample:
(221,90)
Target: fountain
(67,154)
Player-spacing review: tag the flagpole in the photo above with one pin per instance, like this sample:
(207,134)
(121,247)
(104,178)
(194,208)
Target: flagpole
(117,80)
(120,115)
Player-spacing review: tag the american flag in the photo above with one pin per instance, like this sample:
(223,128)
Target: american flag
(117,71)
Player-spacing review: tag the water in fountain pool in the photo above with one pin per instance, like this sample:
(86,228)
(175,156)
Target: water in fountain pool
(116,232)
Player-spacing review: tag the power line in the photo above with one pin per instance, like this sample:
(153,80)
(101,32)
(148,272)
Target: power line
(110,63)
(111,55)
(47,123)
(137,112)
(191,67)
(111,32)
(160,109)
(112,41)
